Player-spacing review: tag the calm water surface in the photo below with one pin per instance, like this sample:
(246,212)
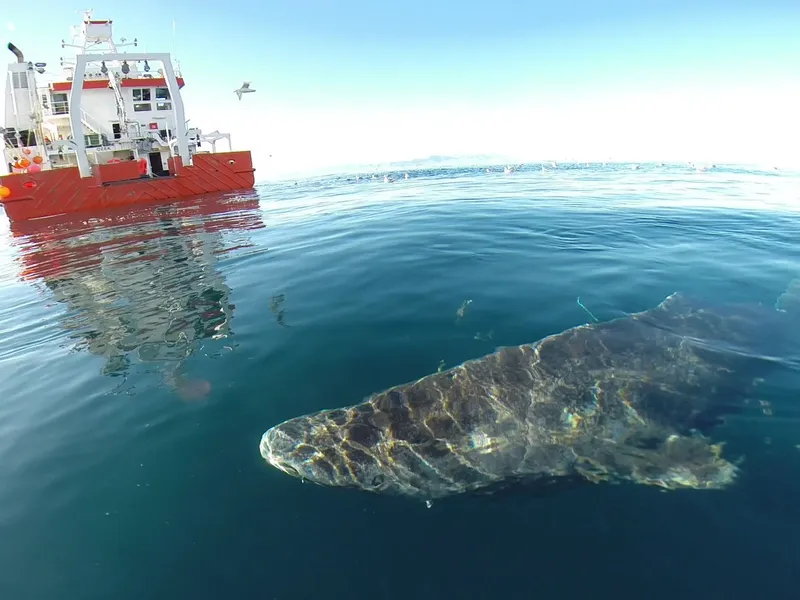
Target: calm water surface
(143,354)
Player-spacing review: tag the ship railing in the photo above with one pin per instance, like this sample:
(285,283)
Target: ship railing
(55,109)
(93,124)
(154,135)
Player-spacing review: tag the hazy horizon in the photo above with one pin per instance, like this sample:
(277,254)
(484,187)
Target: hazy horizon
(466,161)
(361,84)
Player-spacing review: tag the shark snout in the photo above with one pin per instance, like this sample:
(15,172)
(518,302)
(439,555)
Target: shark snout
(276,449)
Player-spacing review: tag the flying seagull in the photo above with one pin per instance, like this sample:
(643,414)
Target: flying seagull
(245,89)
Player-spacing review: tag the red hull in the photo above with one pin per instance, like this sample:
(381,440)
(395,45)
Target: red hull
(61,191)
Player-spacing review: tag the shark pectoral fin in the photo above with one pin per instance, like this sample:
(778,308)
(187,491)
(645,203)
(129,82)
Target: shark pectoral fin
(670,461)
(789,300)
(686,462)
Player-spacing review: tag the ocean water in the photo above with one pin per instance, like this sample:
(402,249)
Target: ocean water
(144,353)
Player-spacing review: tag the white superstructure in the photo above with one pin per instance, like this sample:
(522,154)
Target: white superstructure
(128,106)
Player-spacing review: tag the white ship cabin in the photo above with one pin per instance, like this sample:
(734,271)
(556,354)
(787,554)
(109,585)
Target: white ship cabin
(128,107)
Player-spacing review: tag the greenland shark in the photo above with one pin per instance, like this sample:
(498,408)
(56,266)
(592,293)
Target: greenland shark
(631,399)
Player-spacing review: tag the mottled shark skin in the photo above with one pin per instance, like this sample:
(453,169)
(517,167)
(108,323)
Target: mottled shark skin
(621,400)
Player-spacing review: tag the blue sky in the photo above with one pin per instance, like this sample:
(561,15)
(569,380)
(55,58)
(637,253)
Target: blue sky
(364,82)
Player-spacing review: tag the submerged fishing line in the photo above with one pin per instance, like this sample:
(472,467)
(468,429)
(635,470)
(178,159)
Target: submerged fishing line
(587,310)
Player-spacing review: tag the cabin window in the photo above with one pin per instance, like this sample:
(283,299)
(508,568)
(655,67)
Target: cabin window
(142,107)
(60,103)
(93,140)
(19,80)
(141,95)
(162,99)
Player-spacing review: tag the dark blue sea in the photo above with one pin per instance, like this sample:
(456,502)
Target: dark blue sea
(144,353)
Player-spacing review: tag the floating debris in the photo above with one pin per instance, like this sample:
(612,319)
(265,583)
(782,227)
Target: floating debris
(462,309)
(441,366)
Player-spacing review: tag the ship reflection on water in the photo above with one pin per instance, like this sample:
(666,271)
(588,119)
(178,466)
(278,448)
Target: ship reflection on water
(142,286)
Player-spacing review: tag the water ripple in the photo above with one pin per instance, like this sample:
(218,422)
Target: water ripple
(144,352)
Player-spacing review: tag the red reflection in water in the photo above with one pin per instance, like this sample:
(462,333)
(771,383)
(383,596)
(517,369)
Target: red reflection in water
(193,390)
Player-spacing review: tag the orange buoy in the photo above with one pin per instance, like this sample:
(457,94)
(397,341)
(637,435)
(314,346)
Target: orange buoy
(38,160)
(26,150)
(24,163)
(4,192)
